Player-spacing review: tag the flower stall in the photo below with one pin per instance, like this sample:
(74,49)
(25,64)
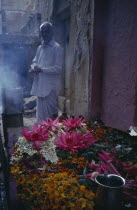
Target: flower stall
(55,164)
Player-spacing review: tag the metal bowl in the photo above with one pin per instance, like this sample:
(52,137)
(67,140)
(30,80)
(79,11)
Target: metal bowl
(110,180)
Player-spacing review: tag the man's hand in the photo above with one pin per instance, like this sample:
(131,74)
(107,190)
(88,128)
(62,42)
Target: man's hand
(35,69)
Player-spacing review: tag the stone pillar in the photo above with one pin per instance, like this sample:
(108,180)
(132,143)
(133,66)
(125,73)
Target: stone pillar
(81,46)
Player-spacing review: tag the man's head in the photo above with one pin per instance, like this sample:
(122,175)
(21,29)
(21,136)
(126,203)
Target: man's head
(46,30)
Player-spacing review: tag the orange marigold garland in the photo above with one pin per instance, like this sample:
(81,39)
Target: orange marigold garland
(52,191)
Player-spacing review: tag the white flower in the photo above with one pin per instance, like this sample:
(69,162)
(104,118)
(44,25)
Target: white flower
(23,146)
(48,151)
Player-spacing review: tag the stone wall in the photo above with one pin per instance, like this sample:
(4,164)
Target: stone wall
(39,11)
(31,27)
(15,14)
(46,9)
(81,45)
(15,5)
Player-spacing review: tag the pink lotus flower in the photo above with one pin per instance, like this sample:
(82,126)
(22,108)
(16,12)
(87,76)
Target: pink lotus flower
(97,169)
(108,159)
(73,122)
(37,135)
(101,168)
(105,156)
(112,169)
(50,124)
(73,141)
(92,175)
(93,166)
(105,167)
(88,139)
(130,191)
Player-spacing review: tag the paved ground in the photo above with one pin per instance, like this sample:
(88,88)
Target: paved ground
(29,122)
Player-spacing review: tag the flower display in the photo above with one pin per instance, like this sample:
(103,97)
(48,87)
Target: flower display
(74,141)
(56,162)
(53,191)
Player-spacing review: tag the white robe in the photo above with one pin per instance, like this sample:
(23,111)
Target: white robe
(46,84)
(46,107)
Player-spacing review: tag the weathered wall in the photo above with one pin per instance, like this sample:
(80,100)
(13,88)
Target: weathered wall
(15,14)
(81,38)
(46,10)
(119,93)
(44,7)
(36,13)
(15,5)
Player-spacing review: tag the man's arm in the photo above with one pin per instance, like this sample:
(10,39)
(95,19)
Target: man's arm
(34,67)
(57,67)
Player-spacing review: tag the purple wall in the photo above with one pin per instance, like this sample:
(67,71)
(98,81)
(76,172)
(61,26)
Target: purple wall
(119,70)
(99,34)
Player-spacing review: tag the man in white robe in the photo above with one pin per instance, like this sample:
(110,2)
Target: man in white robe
(47,69)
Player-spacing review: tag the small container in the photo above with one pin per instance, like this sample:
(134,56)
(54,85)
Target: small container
(108,195)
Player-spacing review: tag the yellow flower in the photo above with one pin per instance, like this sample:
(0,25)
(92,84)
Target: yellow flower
(63,195)
(82,188)
(54,190)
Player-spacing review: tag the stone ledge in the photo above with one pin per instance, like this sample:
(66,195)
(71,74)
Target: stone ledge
(17,39)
